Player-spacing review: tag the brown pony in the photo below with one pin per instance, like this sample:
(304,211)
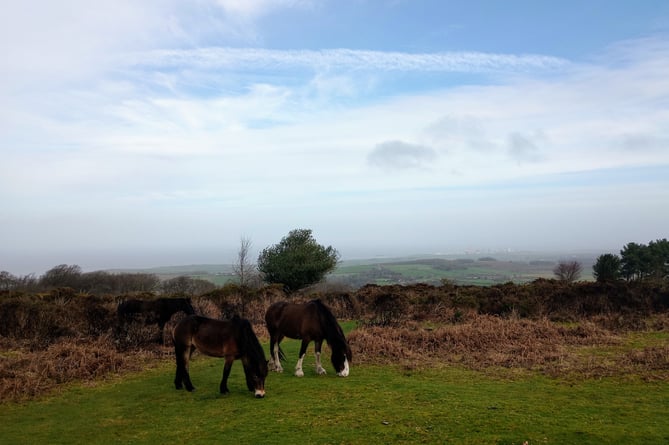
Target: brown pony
(158,311)
(231,339)
(311,321)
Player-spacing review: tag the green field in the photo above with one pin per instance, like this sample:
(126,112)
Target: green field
(432,269)
(374,404)
(462,271)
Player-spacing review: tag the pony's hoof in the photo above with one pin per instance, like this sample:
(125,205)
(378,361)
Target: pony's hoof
(321,371)
(190,389)
(299,373)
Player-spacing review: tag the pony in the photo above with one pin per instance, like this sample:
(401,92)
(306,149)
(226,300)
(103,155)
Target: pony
(231,339)
(158,311)
(310,321)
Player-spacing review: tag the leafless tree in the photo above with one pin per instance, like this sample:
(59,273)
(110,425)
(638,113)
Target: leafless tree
(244,269)
(568,271)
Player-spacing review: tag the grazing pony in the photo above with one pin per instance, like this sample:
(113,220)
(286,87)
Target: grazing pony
(158,311)
(231,339)
(311,321)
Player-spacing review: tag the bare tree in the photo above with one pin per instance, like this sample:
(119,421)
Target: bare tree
(244,268)
(568,271)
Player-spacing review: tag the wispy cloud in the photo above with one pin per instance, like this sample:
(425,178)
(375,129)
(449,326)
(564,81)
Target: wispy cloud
(251,9)
(255,58)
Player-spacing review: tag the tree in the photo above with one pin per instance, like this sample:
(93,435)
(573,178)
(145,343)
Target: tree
(244,268)
(568,271)
(607,268)
(658,252)
(297,261)
(62,275)
(7,280)
(635,261)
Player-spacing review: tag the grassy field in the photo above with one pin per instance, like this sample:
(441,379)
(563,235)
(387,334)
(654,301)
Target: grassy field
(376,404)
(483,271)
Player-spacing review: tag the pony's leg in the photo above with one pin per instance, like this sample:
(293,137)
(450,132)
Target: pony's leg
(317,349)
(270,362)
(226,373)
(303,352)
(275,362)
(182,376)
(272,359)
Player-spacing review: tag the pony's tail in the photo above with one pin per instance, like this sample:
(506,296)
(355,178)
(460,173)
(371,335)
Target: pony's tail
(282,356)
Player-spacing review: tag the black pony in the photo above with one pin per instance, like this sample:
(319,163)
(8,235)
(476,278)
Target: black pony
(231,339)
(158,311)
(311,321)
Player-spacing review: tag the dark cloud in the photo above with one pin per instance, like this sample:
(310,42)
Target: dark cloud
(401,155)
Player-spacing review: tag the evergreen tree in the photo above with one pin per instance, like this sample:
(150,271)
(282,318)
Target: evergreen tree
(297,261)
(607,268)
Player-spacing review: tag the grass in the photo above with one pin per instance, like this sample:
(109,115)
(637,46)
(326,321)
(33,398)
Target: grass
(375,404)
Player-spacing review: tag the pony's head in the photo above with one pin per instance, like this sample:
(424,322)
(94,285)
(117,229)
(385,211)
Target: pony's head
(255,373)
(341,358)
(255,364)
(334,335)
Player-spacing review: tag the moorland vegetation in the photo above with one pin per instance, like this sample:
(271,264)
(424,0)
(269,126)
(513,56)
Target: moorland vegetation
(63,327)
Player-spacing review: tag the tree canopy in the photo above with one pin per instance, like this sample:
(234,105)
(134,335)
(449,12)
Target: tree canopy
(297,261)
(637,262)
(607,268)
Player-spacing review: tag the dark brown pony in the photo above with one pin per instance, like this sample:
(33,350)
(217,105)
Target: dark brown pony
(231,339)
(311,321)
(158,311)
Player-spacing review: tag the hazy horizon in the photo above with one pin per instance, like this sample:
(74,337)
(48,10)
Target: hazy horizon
(149,133)
(152,260)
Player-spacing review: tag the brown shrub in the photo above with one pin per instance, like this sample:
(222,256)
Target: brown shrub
(655,358)
(26,374)
(481,342)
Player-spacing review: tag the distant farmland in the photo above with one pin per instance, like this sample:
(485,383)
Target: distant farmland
(431,269)
(434,271)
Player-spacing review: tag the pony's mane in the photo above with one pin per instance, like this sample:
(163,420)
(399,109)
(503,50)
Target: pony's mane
(333,333)
(248,341)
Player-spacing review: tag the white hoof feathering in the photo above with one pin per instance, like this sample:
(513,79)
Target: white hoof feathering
(344,372)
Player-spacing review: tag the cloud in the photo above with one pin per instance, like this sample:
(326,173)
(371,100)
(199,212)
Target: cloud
(251,9)
(398,155)
(523,149)
(344,59)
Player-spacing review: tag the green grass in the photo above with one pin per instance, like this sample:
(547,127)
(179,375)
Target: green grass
(375,404)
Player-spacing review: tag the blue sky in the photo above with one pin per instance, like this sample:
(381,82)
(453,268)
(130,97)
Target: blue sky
(138,134)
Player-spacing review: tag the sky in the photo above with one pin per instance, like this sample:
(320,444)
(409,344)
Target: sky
(162,132)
